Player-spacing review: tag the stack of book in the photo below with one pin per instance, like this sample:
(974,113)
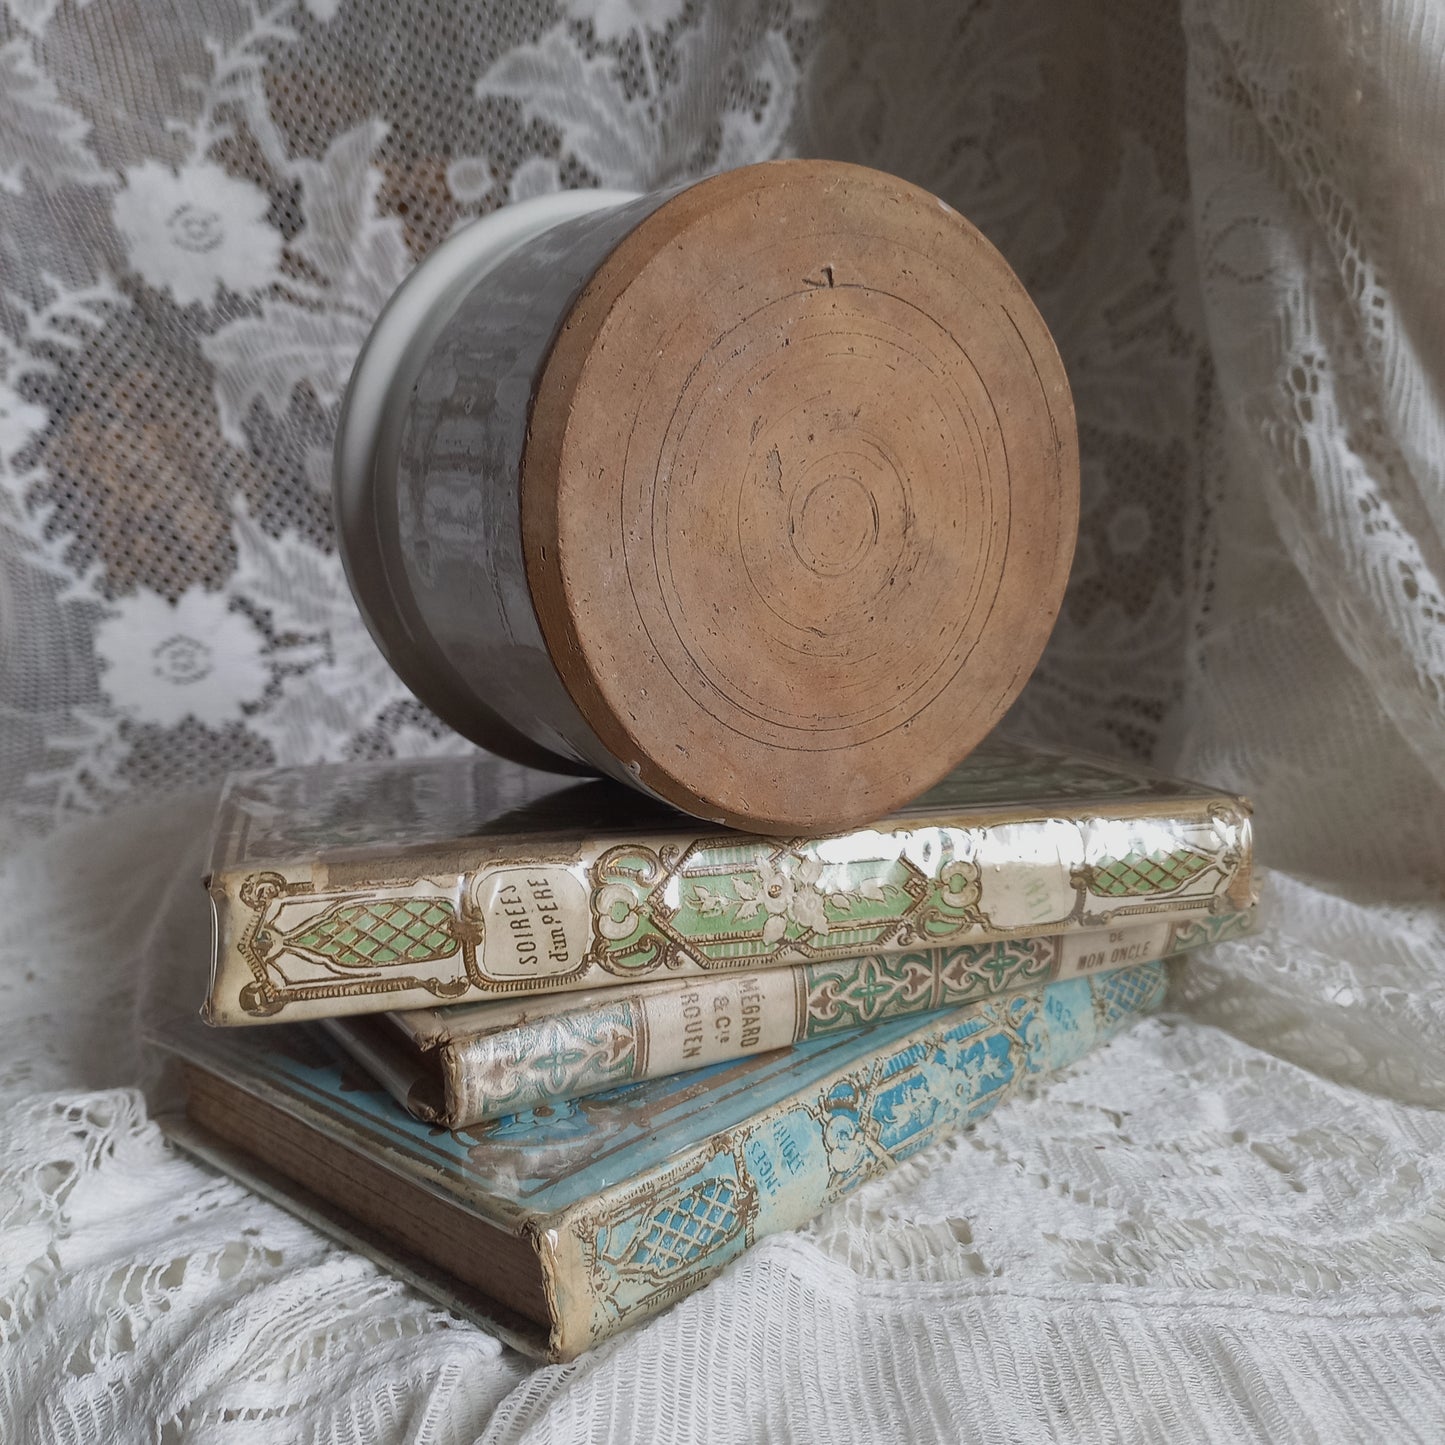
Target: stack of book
(557,1054)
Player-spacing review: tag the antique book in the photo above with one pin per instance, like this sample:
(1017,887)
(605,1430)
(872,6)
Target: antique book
(364,888)
(461,1065)
(567,1223)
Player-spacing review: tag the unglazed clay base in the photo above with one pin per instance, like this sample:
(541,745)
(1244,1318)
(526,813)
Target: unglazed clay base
(800,495)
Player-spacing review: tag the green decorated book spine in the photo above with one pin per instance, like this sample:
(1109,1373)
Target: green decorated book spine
(1016,844)
(471,1063)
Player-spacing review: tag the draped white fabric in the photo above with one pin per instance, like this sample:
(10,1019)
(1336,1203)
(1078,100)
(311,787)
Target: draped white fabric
(1229,1224)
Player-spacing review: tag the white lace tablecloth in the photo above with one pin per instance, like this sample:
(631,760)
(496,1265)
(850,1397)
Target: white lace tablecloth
(1228,1225)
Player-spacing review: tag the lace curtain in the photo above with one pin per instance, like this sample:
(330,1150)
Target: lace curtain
(1231,1223)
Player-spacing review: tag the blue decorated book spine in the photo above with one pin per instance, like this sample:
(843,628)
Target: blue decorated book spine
(630,1199)
(635,1248)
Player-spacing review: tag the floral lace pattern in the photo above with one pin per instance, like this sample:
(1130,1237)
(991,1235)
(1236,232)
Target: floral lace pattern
(169,387)
(1230,1222)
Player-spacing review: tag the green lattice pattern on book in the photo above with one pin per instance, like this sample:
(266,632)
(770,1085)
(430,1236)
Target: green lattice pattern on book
(387,930)
(1138,874)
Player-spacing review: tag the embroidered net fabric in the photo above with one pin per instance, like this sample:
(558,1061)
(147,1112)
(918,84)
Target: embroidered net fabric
(1230,1223)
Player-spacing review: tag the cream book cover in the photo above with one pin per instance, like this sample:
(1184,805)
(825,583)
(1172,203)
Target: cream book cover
(365,888)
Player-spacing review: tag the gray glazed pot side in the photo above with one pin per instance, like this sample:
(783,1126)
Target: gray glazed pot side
(459,542)
(428,469)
